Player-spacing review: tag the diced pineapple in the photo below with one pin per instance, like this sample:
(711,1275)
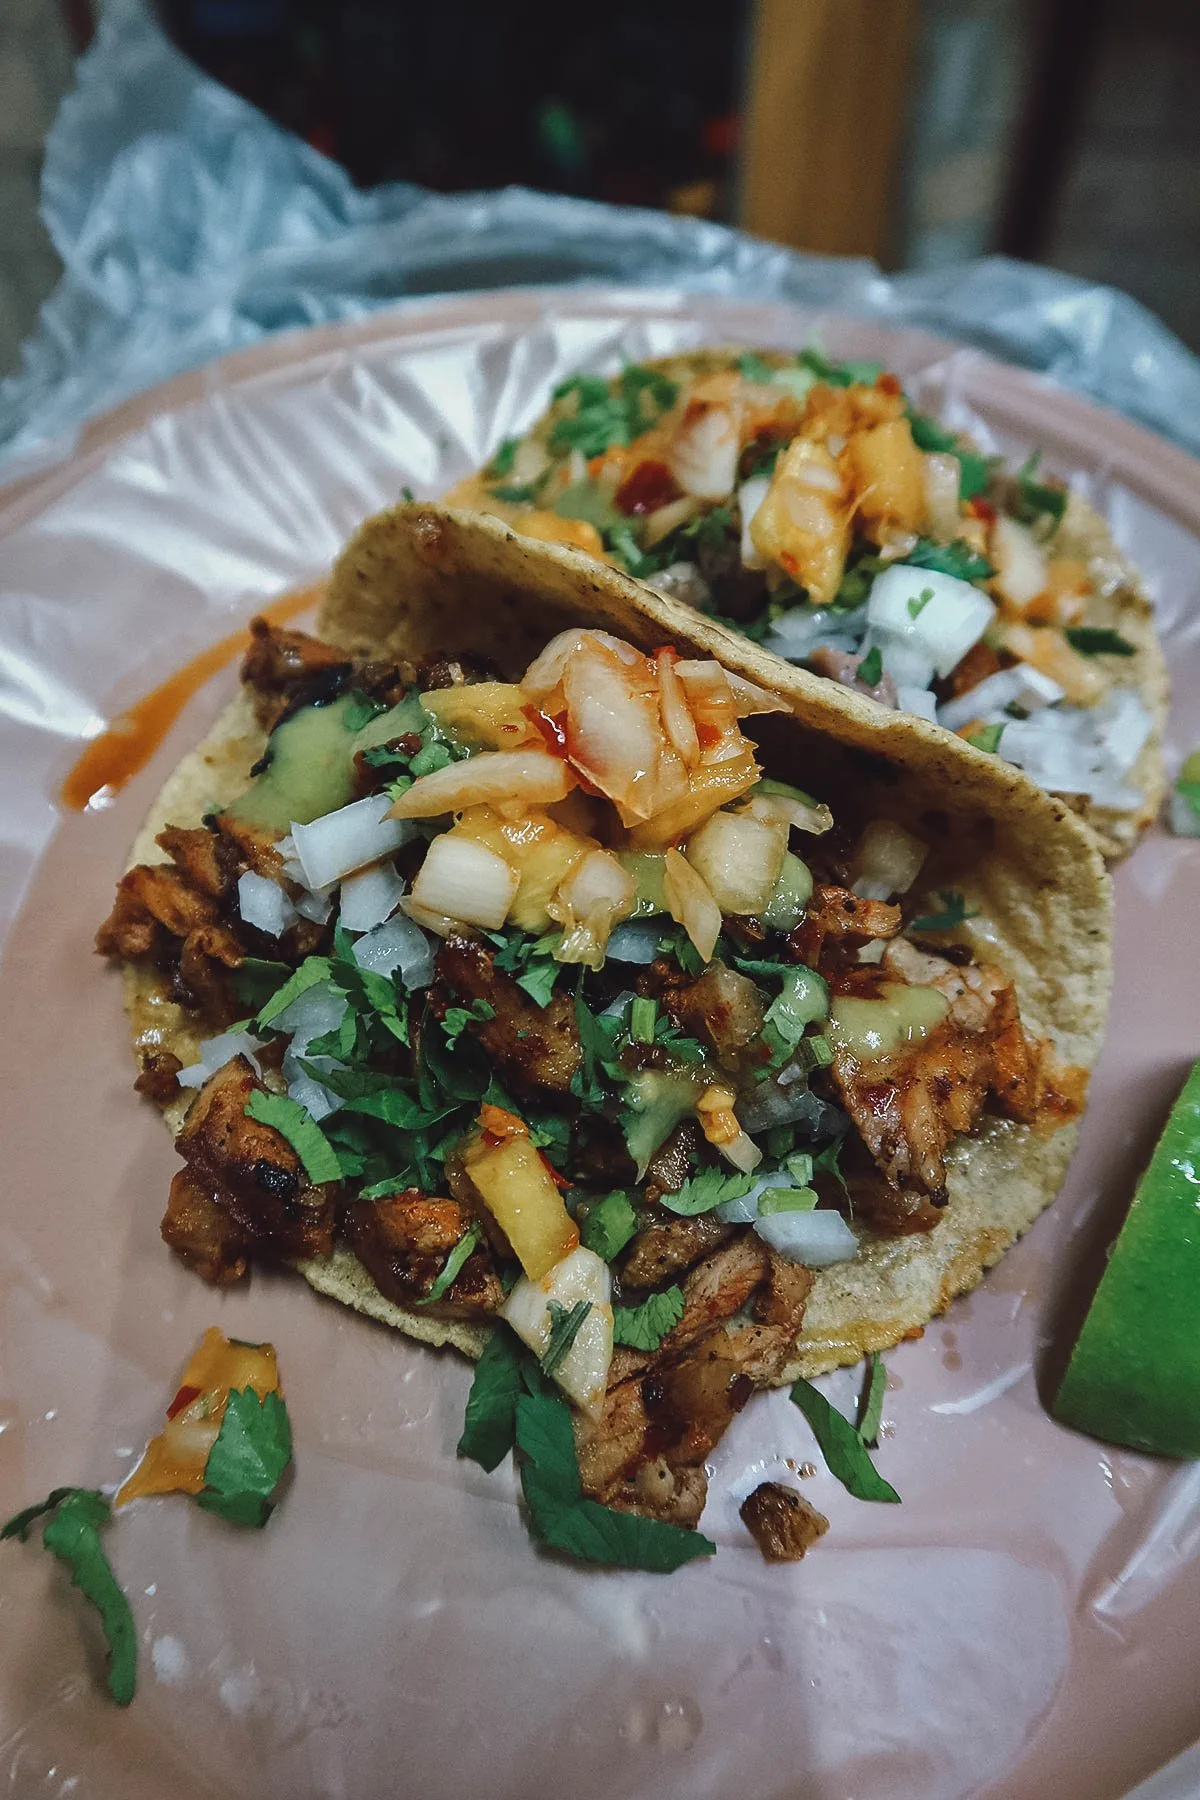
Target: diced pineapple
(174,1461)
(887,476)
(541,851)
(803,524)
(490,713)
(519,1191)
(580,1277)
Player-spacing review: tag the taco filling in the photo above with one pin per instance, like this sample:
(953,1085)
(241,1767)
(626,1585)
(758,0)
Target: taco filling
(545,1003)
(809,505)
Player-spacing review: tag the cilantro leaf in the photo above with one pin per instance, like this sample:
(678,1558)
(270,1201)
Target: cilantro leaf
(676,943)
(604,415)
(987,738)
(956,559)
(844,1451)
(829,1160)
(954,913)
(564,1329)
(609,1225)
(452,1267)
(839,374)
(1189,791)
(870,1406)
(290,1120)
(245,1464)
(644,1327)
(1099,640)
(256,978)
(490,1427)
(918,603)
(1035,499)
(562,1519)
(704,1191)
(74,1517)
(530,960)
(754,368)
(597,1038)
(312,970)
(502,462)
(870,669)
(457,1018)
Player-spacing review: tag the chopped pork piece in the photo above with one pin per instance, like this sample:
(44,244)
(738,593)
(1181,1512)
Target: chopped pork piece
(717,1288)
(207,861)
(664,1248)
(159,1075)
(781,1522)
(724,1010)
(403,1243)
(286,668)
(835,913)
(201,1232)
(535,1049)
(152,899)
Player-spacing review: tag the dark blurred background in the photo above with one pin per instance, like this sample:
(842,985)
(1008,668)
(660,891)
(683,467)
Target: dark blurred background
(920,132)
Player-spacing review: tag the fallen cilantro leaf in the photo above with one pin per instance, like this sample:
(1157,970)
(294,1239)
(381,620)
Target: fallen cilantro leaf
(704,1191)
(490,1427)
(609,1225)
(870,669)
(954,913)
(289,1119)
(870,1406)
(452,1267)
(564,1329)
(562,1519)
(840,1445)
(245,1464)
(1099,640)
(74,1517)
(644,1327)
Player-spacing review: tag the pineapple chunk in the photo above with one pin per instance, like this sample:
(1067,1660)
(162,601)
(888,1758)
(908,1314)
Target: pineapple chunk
(583,1372)
(518,1190)
(174,1461)
(887,476)
(491,713)
(803,524)
(541,851)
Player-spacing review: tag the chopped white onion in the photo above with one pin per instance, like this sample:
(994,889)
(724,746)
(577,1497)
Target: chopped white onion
(318,1010)
(316,907)
(348,839)
(1023,686)
(400,944)
(370,897)
(1019,561)
(919,701)
(887,860)
(690,903)
(738,857)
(815,1238)
(947,623)
(744,1210)
(742,1152)
(466,881)
(803,629)
(771,1103)
(751,495)
(263,904)
(636,941)
(942,482)
(317,1100)
(215,1052)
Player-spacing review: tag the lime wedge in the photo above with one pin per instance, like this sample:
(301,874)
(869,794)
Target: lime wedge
(1134,1375)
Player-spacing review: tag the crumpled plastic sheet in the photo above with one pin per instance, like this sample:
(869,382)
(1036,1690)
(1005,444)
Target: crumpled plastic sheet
(189,225)
(1025,1623)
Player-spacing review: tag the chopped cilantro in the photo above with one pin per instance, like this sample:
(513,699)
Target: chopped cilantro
(844,1451)
(429,758)
(1099,640)
(312,970)
(489,1430)
(289,1119)
(1190,792)
(597,1038)
(530,959)
(974,470)
(252,1450)
(861,569)
(987,738)
(870,1406)
(829,1162)
(608,1225)
(754,368)
(520,493)
(870,669)
(644,1327)
(681,1047)
(74,1518)
(452,1267)
(502,462)
(839,374)
(918,603)
(704,1191)
(256,978)
(957,559)
(565,1322)
(676,943)
(813,1053)
(785,1200)
(953,914)
(560,1516)
(604,415)
(1035,499)
(457,1018)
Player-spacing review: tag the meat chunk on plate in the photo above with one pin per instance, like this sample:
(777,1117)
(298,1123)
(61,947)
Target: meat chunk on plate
(781,1522)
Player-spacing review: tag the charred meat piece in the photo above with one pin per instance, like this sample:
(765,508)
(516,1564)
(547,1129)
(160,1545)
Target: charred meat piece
(725,1011)
(154,901)
(842,666)
(207,861)
(403,1244)
(671,1163)
(201,1232)
(200,977)
(836,914)
(535,1049)
(251,1172)
(288,669)
(781,1522)
(664,1247)
(762,1351)
(158,1078)
(717,1288)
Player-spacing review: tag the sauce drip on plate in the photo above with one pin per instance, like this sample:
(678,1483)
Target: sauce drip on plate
(113,758)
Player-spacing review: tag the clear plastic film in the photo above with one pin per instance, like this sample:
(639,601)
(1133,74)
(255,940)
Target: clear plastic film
(1024,1624)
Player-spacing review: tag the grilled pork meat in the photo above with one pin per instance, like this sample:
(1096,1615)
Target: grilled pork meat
(535,1049)
(781,1522)
(403,1244)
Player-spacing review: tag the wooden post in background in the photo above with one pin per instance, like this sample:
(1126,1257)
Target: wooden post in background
(825,121)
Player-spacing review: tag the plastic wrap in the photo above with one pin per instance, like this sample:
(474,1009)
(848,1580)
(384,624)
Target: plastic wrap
(190,226)
(1025,1623)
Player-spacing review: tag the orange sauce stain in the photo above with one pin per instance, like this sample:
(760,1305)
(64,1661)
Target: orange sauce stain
(113,758)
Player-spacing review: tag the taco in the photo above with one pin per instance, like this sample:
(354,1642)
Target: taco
(811,506)
(502,955)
